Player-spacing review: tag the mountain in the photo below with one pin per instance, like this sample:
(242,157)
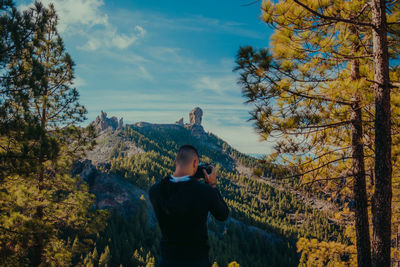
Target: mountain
(265,220)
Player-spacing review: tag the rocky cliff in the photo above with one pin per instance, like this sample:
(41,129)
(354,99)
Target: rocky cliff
(102,122)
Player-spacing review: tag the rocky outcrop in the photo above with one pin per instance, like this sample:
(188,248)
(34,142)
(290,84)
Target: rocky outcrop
(102,122)
(195,126)
(112,191)
(180,122)
(195,116)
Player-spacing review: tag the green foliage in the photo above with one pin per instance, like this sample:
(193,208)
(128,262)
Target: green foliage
(47,216)
(315,253)
(314,89)
(16,35)
(129,241)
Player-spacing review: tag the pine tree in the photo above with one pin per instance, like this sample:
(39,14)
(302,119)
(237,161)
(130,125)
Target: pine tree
(43,203)
(312,91)
(16,33)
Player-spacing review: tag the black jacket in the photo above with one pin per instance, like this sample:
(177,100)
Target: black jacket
(182,209)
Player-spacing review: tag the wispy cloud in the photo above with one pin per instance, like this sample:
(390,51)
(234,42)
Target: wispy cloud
(109,38)
(218,84)
(78,81)
(188,22)
(87,19)
(145,74)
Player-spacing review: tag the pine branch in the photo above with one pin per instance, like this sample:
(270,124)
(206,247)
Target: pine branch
(328,179)
(317,168)
(323,155)
(333,18)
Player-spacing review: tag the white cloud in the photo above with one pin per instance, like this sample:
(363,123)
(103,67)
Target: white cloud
(144,73)
(86,18)
(109,37)
(76,13)
(78,82)
(220,84)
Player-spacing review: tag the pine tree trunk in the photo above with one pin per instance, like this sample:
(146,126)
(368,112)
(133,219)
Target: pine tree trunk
(359,189)
(359,185)
(39,238)
(381,202)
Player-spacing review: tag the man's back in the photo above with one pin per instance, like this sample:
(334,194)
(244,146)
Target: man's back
(182,209)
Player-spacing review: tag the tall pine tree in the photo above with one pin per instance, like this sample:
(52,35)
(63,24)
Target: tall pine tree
(312,91)
(44,207)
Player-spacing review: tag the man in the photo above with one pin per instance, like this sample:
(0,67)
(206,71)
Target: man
(181,204)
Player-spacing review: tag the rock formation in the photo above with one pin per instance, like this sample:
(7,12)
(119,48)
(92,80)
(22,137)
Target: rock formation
(180,122)
(195,116)
(120,123)
(195,126)
(102,122)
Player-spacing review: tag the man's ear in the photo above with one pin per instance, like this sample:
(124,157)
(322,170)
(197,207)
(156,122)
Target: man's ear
(194,163)
(175,163)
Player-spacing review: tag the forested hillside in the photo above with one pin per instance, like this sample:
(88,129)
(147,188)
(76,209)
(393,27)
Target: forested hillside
(264,225)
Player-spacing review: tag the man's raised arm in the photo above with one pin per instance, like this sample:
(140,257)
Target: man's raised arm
(217,205)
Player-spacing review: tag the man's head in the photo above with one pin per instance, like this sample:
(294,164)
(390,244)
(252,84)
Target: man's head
(186,161)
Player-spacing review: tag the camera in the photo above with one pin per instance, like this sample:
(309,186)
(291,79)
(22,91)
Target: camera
(202,166)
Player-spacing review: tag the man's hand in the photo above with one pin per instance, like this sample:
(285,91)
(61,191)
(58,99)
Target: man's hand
(211,178)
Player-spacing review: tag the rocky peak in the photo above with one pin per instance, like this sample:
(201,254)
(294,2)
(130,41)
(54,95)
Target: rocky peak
(195,116)
(102,122)
(195,122)
(180,122)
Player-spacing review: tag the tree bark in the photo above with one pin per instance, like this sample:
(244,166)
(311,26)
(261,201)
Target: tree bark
(359,186)
(381,202)
(359,189)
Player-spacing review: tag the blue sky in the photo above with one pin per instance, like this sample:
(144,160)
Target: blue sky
(156,60)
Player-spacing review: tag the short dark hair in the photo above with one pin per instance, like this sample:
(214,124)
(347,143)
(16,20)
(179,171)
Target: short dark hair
(185,154)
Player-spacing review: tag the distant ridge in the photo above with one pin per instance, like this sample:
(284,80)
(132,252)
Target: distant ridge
(102,123)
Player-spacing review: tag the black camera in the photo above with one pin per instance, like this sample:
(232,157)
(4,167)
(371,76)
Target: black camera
(202,166)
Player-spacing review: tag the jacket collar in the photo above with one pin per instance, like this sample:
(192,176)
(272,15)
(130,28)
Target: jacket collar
(179,179)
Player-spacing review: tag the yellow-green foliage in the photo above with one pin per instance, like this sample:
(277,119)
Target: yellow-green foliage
(314,72)
(318,254)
